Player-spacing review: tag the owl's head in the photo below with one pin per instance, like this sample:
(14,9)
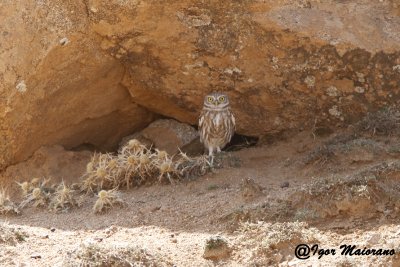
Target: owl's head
(216,100)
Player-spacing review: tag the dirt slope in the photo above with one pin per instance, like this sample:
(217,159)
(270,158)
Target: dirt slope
(85,67)
(262,224)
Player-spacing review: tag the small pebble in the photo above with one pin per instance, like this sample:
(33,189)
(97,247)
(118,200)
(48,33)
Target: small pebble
(36,257)
(21,87)
(156,208)
(52,229)
(64,41)
(265,205)
(284,184)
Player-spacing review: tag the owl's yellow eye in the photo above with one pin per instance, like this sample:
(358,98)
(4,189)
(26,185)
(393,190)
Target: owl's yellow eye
(210,99)
(221,99)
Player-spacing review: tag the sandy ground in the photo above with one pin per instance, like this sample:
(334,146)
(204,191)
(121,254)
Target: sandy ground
(173,222)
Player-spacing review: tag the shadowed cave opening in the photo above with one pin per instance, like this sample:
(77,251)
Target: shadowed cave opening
(237,142)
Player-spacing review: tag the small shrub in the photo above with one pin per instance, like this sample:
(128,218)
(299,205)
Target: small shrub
(64,198)
(136,164)
(216,248)
(106,200)
(95,255)
(36,192)
(6,205)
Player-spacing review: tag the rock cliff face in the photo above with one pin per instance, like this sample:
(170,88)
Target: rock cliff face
(92,71)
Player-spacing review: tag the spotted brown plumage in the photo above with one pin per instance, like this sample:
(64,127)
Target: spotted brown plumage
(216,123)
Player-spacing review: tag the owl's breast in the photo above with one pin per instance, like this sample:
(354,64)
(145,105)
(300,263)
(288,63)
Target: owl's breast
(221,124)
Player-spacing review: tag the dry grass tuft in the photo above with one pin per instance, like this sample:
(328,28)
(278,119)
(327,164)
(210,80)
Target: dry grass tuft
(38,197)
(189,168)
(36,192)
(367,176)
(6,205)
(64,198)
(10,235)
(102,172)
(106,200)
(105,173)
(216,248)
(328,150)
(135,161)
(124,255)
(133,146)
(167,169)
(136,165)
(305,214)
(25,187)
(344,149)
(39,193)
(385,122)
(368,192)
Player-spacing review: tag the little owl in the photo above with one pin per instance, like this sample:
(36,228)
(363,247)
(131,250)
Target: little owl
(216,123)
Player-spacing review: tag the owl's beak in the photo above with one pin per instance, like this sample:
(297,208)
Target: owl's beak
(216,102)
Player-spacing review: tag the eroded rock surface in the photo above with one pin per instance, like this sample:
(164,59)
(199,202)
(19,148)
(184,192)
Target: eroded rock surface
(94,71)
(169,135)
(52,162)
(164,134)
(57,86)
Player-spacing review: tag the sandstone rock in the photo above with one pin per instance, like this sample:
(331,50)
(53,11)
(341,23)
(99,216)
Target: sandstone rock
(194,148)
(167,134)
(284,184)
(94,71)
(275,59)
(55,92)
(374,239)
(138,136)
(51,162)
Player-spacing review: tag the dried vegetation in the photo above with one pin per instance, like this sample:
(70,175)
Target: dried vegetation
(6,205)
(385,122)
(136,165)
(371,191)
(96,255)
(274,242)
(106,173)
(106,200)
